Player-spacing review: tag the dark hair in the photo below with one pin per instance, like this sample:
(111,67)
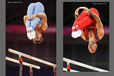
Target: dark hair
(35,41)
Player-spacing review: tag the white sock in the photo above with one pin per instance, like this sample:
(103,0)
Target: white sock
(31,33)
(76,34)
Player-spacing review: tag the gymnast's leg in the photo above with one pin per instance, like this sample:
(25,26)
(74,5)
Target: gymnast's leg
(85,21)
(38,8)
(34,8)
(29,14)
(30,31)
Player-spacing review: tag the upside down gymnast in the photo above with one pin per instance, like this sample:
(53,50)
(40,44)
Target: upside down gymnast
(35,22)
(88,25)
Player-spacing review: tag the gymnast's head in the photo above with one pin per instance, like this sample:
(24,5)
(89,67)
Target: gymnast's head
(92,46)
(38,39)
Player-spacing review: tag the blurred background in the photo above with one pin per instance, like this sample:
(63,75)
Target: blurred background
(16,37)
(77,49)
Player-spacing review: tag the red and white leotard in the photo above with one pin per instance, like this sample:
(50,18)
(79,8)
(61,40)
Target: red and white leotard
(90,27)
(87,22)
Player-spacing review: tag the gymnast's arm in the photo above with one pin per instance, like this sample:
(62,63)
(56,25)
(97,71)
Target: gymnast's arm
(83,35)
(95,16)
(43,21)
(99,25)
(24,19)
(76,15)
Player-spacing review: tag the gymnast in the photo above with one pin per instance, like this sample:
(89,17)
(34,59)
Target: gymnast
(35,22)
(88,25)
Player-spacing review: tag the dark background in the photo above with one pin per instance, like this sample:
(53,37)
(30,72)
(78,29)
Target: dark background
(77,49)
(16,37)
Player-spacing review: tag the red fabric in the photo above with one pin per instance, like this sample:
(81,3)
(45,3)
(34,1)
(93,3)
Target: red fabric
(31,71)
(68,67)
(42,30)
(20,60)
(54,70)
(95,11)
(90,27)
(85,19)
(84,22)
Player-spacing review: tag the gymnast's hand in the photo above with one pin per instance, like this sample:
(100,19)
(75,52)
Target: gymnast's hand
(76,15)
(28,17)
(87,10)
(33,16)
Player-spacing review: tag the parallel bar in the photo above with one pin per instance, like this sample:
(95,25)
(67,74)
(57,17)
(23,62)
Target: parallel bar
(84,65)
(65,69)
(24,63)
(31,65)
(31,57)
(36,59)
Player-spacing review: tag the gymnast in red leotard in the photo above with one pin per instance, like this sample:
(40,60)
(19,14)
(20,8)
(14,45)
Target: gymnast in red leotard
(89,24)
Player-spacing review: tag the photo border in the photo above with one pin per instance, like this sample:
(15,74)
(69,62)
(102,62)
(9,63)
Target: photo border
(2,37)
(60,40)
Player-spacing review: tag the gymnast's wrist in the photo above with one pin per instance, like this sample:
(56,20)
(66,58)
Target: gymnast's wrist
(76,16)
(33,16)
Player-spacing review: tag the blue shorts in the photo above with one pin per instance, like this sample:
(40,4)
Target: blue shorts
(34,8)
